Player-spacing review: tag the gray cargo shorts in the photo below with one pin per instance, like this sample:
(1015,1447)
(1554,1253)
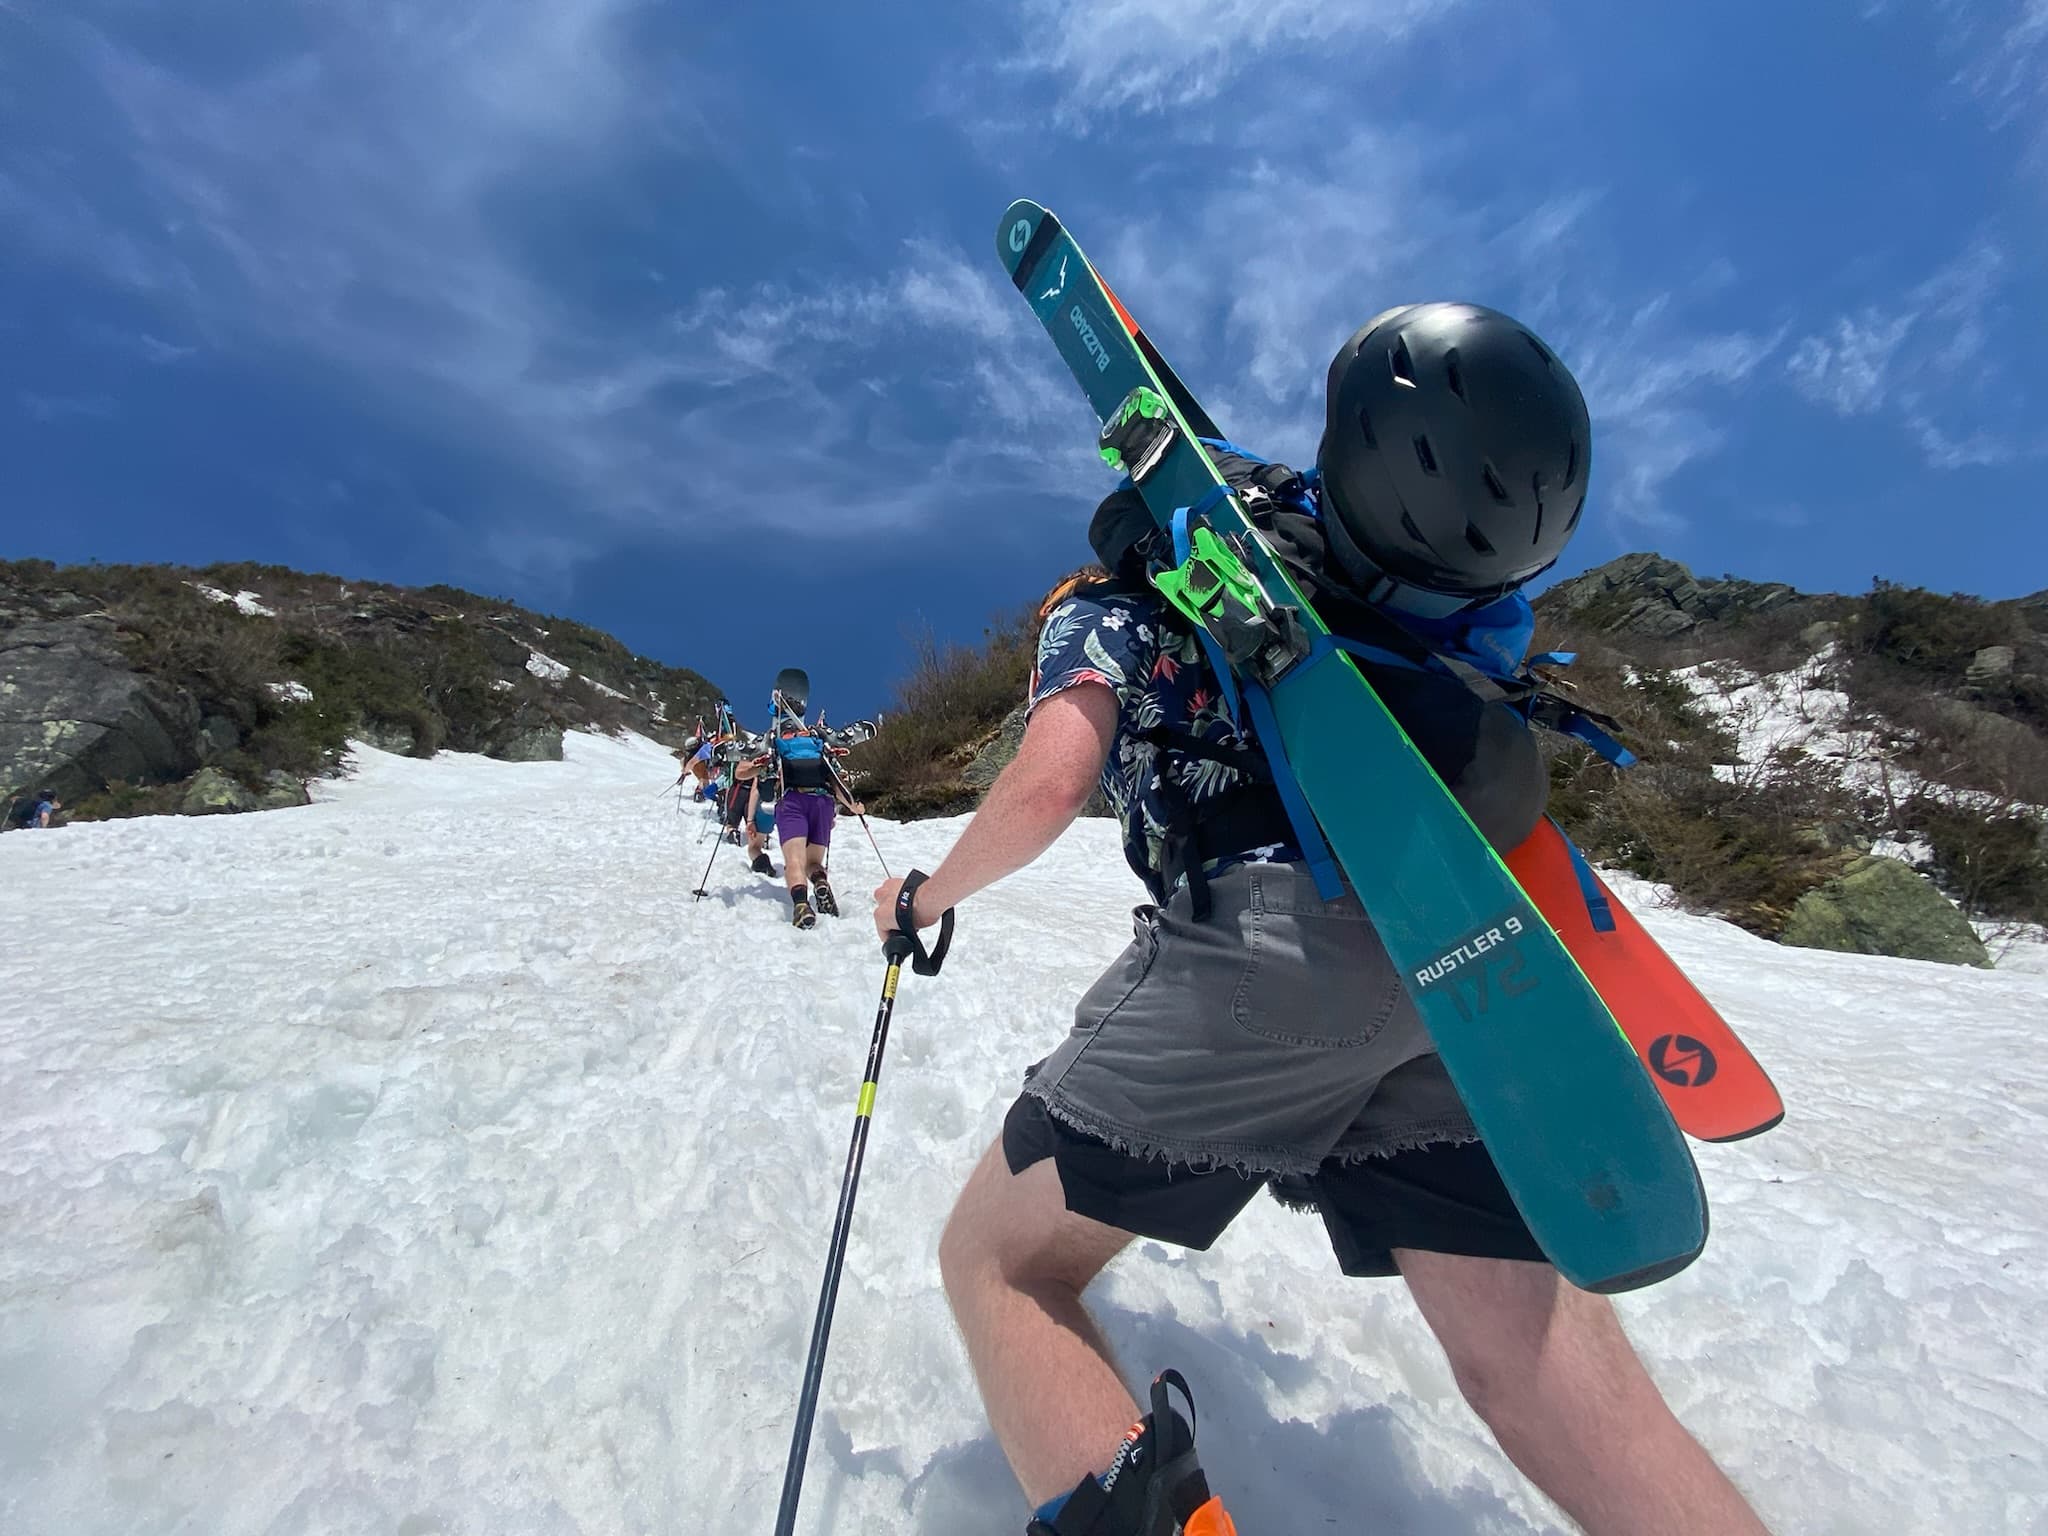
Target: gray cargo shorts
(1272,1038)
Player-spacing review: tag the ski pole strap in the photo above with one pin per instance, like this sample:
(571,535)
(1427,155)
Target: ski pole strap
(1598,907)
(905,940)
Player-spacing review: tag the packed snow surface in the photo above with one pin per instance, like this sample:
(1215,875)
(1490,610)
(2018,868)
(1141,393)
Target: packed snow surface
(426,1161)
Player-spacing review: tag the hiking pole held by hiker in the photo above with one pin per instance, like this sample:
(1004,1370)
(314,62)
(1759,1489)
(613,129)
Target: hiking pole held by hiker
(903,944)
(858,815)
(704,885)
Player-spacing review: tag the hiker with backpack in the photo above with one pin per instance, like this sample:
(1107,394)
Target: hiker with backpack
(749,808)
(1254,1035)
(812,796)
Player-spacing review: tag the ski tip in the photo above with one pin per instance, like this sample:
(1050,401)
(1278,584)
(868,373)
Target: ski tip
(1022,234)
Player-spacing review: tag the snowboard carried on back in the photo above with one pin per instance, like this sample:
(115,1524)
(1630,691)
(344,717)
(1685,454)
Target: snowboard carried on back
(1592,1157)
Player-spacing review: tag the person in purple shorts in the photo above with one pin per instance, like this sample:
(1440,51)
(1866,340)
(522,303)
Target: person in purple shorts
(804,816)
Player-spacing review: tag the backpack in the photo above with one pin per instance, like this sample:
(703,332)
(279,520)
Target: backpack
(1483,649)
(1460,689)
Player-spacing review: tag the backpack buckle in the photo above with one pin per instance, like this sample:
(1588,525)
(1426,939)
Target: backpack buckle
(1138,433)
(1219,593)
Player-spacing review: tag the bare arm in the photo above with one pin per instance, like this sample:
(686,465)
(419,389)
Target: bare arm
(1030,804)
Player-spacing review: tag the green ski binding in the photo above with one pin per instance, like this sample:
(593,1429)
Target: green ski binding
(1137,435)
(1215,589)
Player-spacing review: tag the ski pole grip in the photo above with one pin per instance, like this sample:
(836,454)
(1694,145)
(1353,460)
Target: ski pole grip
(924,962)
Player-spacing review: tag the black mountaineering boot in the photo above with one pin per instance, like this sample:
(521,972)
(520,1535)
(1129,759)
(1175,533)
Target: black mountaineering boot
(1155,1487)
(822,897)
(761,866)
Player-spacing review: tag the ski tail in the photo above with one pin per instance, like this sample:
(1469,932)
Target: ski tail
(793,687)
(1713,1086)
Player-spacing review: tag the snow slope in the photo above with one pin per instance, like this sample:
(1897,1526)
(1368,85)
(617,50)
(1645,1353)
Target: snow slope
(424,1161)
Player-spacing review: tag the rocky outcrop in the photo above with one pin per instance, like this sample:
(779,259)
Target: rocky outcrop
(1647,594)
(1880,906)
(995,756)
(75,716)
(128,690)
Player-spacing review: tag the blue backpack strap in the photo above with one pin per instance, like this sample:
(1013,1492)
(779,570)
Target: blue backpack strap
(1597,905)
(1307,835)
(1265,726)
(1576,724)
(1378,655)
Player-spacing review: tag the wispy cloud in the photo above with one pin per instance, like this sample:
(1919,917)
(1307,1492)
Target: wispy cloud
(1926,356)
(1373,221)
(343,200)
(1150,55)
(1848,369)
(55,408)
(2006,55)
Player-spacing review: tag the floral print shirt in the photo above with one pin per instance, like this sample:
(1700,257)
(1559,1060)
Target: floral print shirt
(1161,680)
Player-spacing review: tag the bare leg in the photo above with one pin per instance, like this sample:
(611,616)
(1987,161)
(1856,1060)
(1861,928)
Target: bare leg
(795,867)
(1550,1371)
(1015,1262)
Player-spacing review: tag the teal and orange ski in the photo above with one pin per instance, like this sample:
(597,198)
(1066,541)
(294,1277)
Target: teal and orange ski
(1596,1165)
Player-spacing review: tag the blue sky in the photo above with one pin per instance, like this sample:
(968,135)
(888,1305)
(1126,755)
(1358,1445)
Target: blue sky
(684,319)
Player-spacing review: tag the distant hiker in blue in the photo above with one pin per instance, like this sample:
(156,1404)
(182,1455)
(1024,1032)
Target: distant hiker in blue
(45,809)
(1254,1034)
(812,794)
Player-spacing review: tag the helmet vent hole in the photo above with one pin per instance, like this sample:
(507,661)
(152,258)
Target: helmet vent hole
(1454,375)
(1402,364)
(1408,527)
(1537,347)
(1426,456)
(1573,521)
(1477,540)
(1571,466)
(1365,425)
(1494,488)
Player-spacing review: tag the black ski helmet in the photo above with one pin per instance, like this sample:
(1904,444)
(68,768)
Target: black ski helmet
(1454,457)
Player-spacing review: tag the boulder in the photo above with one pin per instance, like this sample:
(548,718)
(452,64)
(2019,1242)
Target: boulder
(280,791)
(75,717)
(527,744)
(210,792)
(1880,906)
(387,736)
(1990,666)
(218,736)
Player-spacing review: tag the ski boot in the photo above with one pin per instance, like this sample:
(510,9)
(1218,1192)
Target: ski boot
(822,897)
(761,866)
(803,917)
(1155,1487)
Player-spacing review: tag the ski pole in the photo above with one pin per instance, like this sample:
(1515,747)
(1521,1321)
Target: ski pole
(848,791)
(903,944)
(704,885)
